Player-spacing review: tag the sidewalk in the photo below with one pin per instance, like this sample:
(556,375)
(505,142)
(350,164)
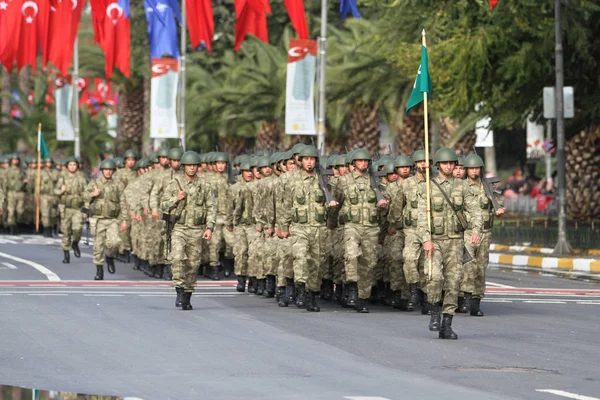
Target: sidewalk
(541,259)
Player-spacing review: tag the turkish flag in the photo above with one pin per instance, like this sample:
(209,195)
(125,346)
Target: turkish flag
(64,23)
(116,39)
(10,29)
(200,22)
(295,9)
(98,14)
(251,19)
(103,88)
(34,31)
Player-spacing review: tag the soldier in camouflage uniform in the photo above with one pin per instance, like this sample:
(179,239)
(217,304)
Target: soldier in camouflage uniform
(70,188)
(444,241)
(361,231)
(15,195)
(48,180)
(105,201)
(195,213)
(336,234)
(136,212)
(3,168)
(473,284)
(126,175)
(255,241)
(459,169)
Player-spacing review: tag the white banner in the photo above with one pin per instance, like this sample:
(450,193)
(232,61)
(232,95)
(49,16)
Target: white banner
(300,88)
(535,140)
(485,135)
(163,117)
(64,99)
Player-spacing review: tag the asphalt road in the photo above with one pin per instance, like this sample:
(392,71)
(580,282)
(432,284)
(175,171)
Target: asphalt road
(123,336)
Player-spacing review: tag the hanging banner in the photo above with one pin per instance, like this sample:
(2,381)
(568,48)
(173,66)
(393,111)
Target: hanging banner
(535,141)
(111,115)
(63,94)
(485,135)
(300,88)
(163,117)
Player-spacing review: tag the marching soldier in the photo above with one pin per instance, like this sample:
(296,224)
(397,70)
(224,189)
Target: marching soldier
(48,180)
(104,200)
(70,188)
(195,214)
(126,175)
(15,195)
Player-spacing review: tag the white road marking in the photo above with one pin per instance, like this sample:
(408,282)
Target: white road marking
(595,303)
(365,398)
(9,265)
(497,301)
(567,394)
(499,285)
(104,295)
(49,274)
(196,295)
(7,241)
(545,302)
(47,294)
(5,294)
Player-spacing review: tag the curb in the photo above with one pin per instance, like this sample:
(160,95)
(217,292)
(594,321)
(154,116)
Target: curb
(586,265)
(542,250)
(555,272)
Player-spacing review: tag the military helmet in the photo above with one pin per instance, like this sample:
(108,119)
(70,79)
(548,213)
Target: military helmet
(445,154)
(297,147)
(119,162)
(360,154)
(69,160)
(473,161)
(78,159)
(245,166)
(274,158)
(108,163)
(288,155)
(389,168)
(383,160)
(243,158)
(175,153)
(253,161)
(190,158)
(14,156)
(308,151)
(143,163)
(30,160)
(153,158)
(263,161)
(461,161)
(163,152)
(47,159)
(129,154)
(403,161)
(3,159)
(418,155)
(221,156)
(340,161)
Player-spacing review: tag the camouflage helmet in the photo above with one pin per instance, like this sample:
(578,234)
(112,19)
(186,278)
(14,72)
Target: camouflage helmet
(403,161)
(153,158)
(308,151)
(388,167)
(461,161)
(175,153)
(360,154)
(3,159)
(445,154)
(473,161)
(108,163)
(129,154)
(221,156)
(163,152)
(340,161)
(190,158)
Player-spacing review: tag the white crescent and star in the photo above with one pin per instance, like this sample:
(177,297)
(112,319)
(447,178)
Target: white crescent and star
(110,9)
(295,51)
(3,5)
(32,5)
(103,87)
(160,68)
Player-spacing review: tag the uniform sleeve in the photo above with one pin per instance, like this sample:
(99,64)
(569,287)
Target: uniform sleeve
(397,202)
(59,183)
(211,206)
(239,203)
(229,198)
(87,193)
(123,213)
(169,196)
(471,202)
(286,209)
(260,204)
(154,200)
(422,226)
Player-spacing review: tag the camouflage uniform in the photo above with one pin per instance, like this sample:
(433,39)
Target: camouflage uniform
(72,201)
(126,176)
(47,196)
(221,239)
(15,195)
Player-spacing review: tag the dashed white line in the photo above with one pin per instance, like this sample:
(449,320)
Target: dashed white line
(567,394)
(365,398)
(499,285)
(47,294)
(104,295)
(49,274)
(545,302)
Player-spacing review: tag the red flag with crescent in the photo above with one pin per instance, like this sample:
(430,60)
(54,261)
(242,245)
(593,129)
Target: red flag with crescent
(251,18)
(34,30)
(65,16)
(10,28)
(116,38)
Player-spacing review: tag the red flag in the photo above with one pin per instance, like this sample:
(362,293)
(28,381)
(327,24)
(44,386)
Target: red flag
(295,9)
(63,26)
(116,38)
(493,4)
(103,88)
(10,29)
(200,22)
(251,19)
(34,31)
(98,15)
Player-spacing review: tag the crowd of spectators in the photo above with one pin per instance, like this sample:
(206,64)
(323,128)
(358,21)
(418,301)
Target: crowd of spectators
(518,187)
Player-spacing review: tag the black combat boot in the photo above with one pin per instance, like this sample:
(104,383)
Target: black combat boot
(446,331)
(110,265)
(260,290)
(75,247)
(337,294)
(145,266)
(241,285)
(290,291)
(252,285)
(99,273)
(185,301)
(352,294)
(227,267)
(67,257)
(127,256)
(300,295)
(279,293)
(160,271)
(270,286)
(154,271)
(179,298)
(168,272)
(311,302)
(327,290)
(396,300)
(381,292)
(414,297)
(434,322)
(467,303)
(12,230)
(213,272)
(136,263)
(345,294)
(460,305)
(424,304)
(361,306)
(475,307)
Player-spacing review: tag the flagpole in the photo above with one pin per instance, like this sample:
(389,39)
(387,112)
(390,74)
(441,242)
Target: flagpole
(38,180)
(182,60)
(77,146)
(428,166)
(322,73)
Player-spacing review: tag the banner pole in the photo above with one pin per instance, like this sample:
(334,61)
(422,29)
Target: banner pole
(182,60)
(75,84)
(38,180)
(427,165)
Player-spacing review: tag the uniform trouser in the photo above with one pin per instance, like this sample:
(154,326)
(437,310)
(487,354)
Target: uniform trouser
(414,259)
(270,255)
(135,236)
(240,250)
(106,237)
(360,246)
(256,256)
(217,242)
(327,269)
(337,254)
(474,270)
(70,227)
(285,268)
(125,240)
(154,246)
(446,273)
(185,255)
(47,210)
(395,244)
(14,207)
(308,251)
(229,241)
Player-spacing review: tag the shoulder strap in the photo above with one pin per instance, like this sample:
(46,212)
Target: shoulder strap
(460,218)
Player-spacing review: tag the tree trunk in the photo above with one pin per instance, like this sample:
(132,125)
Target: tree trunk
(364,128)
(131,111)
(490,160)
(410,136)
(269,136)
(435,129)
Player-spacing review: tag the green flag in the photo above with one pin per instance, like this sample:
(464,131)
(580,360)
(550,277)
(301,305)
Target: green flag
(42,148)
(422,82)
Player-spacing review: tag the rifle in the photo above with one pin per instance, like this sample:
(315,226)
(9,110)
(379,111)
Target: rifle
(321,173)
(86,222)
(490,191)
(374,184)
